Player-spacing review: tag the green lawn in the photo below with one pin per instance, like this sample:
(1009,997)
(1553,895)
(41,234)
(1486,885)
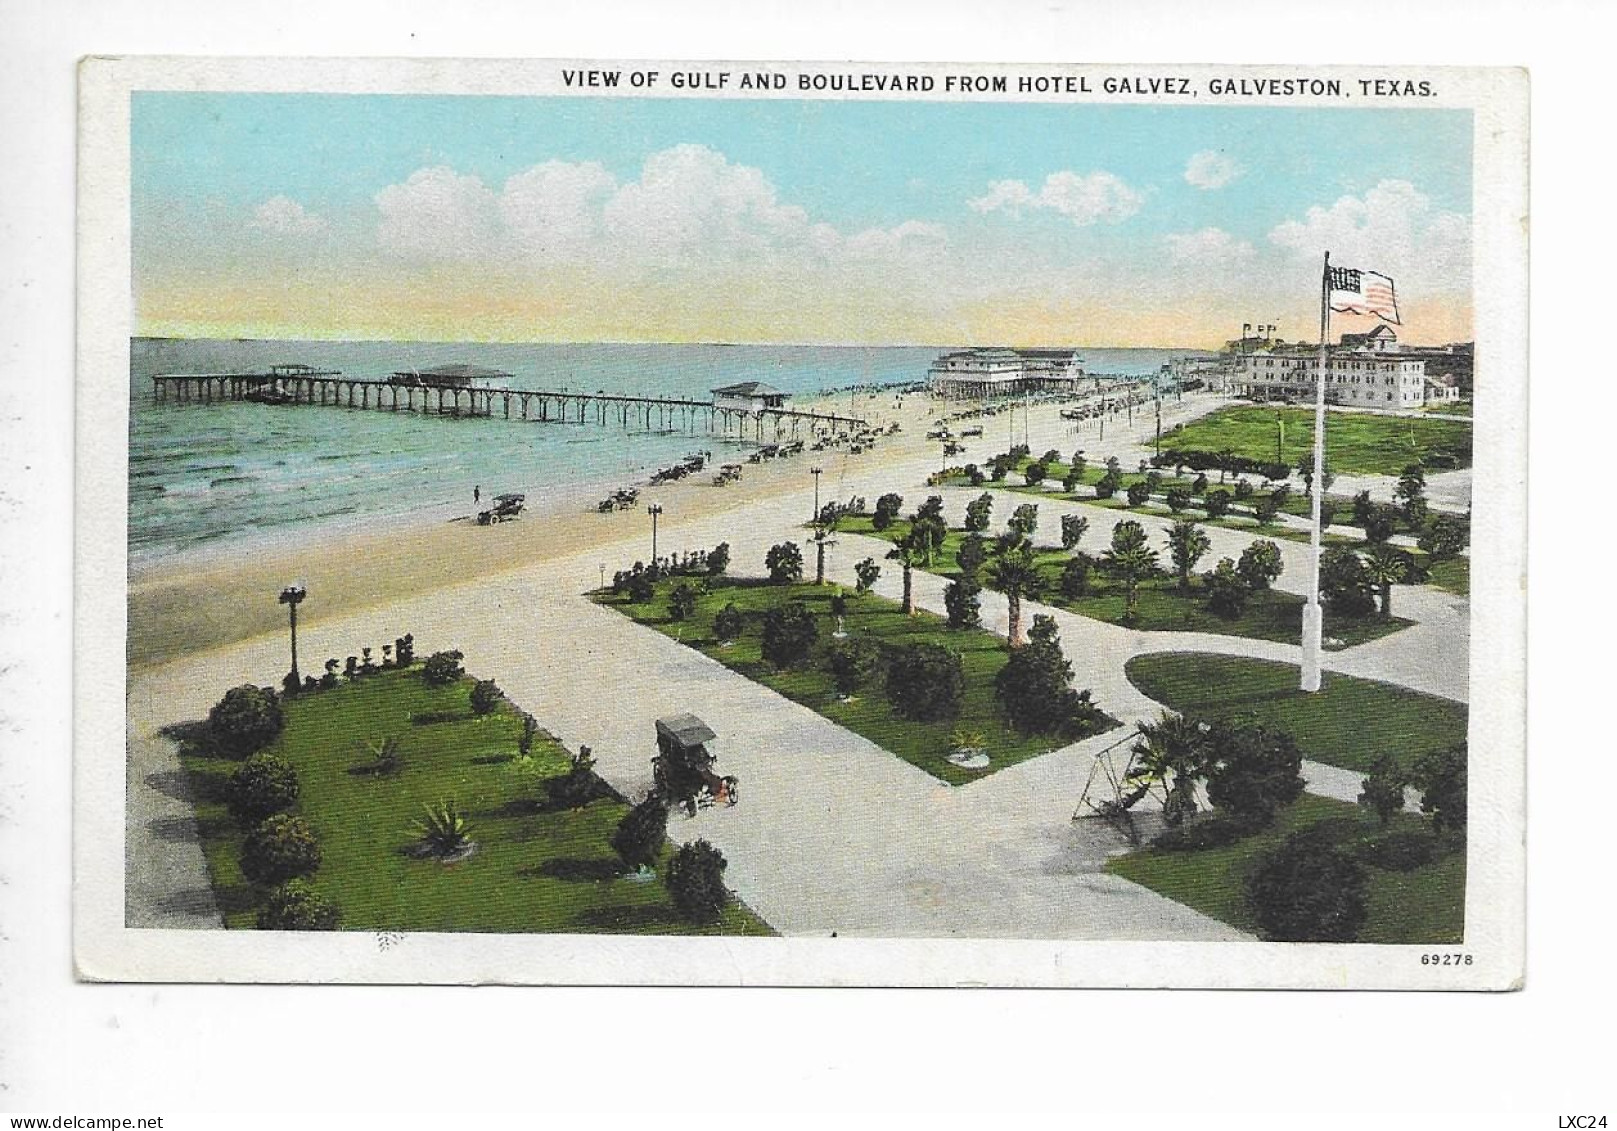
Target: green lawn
(536,869)
(1424,905)
(1459,408)
(1356,443)
(1349,722)
(924,745)
(1161,606)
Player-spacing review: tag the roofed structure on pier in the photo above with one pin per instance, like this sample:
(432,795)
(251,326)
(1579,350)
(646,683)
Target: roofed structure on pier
(750,396)
(456,376)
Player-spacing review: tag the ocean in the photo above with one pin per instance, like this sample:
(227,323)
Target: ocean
(223,475)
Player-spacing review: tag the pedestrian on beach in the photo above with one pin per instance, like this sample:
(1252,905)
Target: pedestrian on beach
(477,494)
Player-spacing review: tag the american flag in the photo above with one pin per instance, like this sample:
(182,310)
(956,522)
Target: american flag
(1362,292)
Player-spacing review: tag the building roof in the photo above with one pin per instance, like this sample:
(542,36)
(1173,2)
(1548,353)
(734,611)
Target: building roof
(1381,331)
(750,389)
(470,372)
(686,729)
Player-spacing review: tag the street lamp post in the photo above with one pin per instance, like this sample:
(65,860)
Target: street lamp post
(654,510)
(815,471)
(291,596)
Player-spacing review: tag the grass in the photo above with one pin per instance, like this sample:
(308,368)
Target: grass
(1160,605)
(536,868)
(1349,722)
(1424,905)
(923,745)
(1356,443)
(1459,408)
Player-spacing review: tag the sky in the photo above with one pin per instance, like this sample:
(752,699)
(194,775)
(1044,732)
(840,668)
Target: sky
(871,222)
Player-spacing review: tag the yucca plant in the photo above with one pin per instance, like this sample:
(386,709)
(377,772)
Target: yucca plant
(964,739)
(386,757)
(444,832)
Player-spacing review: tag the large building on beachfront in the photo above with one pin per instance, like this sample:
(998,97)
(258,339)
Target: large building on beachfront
(1367,370)
(994,372)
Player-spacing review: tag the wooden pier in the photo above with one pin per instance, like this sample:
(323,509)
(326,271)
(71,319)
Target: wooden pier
(304,386)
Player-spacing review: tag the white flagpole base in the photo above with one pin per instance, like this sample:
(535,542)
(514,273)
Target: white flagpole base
(1313,626)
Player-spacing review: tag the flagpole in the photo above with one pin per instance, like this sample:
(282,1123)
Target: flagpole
(1313,618)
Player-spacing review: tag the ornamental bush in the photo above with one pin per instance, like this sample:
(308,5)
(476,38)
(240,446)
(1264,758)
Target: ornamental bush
(1075,576)
(1178,499)
(1440,775)
(1383,792)
(1255,772)
(1217,502)
(682,601)
(926,682)
(246,720)
(1226,592)
(1033,474)
(295,906)
(281,848)
(486,696)
(972,554)
(442,668)
(868,573)
(1345,583)
(789,634)
(1073,528)
(887,508)
(1138,493)
(1025,519)
(962,600)
(1260,564)
(728,623)
(261,787)
(1213,830)
(638,839)
(784,562)
(718,559)
(1107,485)
(979,511)
(855,662)
(1307,890)
(696,882)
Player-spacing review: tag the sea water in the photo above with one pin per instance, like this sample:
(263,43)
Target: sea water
(231,472)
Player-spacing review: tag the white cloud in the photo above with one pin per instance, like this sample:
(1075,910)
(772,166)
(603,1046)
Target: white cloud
(1084,199)
(555,208)
(1208,247)
(1392,228)
(283,216)
(1211,169)
(439,214)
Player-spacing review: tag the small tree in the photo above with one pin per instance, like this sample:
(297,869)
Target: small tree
(295,906)
(1107,485)
(1440,775)
(261,787)
(909,552)
(281,848)
(696,882)
(1226,592)
(867,572)
(789,634)
(486,696)
(246,720)
(728,623)
(1078,464)
(1362,508)
(1139,493)
(1033,474)
(1266,510)
(1198,485)
(1255,773)
(1383,791)
(718,559)
(926,682)
(1217,503)
(1307,890)
(1034,688)
(442,668)
(854,662)
(1305,467)
(1178,499)
(784,561)
(931,509)
(638,839)
(1260,564)
(1025,520)
(1130,560)
(682,601)
(1387,565)
(1188,543)
(1075,576)
(1444,537)
(972,554)
(404,649)
(1073,529)
(962,599)
(1411,493)
(579,785)
(1345,584)
(1243,489)
(979,511)
(1014,572)
(887,508)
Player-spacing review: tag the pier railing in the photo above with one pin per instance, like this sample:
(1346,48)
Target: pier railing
(331,389)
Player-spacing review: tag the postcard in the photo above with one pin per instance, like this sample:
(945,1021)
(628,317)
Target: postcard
(769,523)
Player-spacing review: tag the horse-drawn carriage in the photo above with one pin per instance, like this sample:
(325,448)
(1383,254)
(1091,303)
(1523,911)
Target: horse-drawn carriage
(505,508)
(729,473)
(619,500)
(683,769)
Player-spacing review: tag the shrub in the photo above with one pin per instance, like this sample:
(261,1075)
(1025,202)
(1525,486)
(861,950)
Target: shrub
(444,831)
(1033,474)
(962,601)
(290,685)
(854,662)
(1217,502)
(261,787)
(1380,523)
(867,572)
(329,679)
(1075,576)
(931,510)
(1107,486)
(979,511)
(1440,775)
(1071,480)
(404,650)
(1444,537)
(1260,564)
(1345,583)
(718,559)
(887,508)
(1198,485)
(974,475)
(1398,852)
(1178,499)
(1215,830)
(486,696)
(728,623)
(1255,772)
(1362,506)
(281,848)
(1306,890)
(1243,489)
(295,906)
(696,882)
(1025,519)
(972,555)
(1153,481)
(1226,592)
(638,839)
(1138,493)
(1077,463)
(1073,529)
(784,562)
(682,601)
(1266,510)
(1034,688)
(442,668)
(641,587)
(246,720)
(579,785)
(1049,457)
(789,634)
(926,682)
(1383,792)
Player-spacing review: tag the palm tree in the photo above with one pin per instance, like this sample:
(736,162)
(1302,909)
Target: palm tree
(1131,560)
(1388,565)
(826,526)
(910,551)
(1187,542)
(1015,573)
(1175,746)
